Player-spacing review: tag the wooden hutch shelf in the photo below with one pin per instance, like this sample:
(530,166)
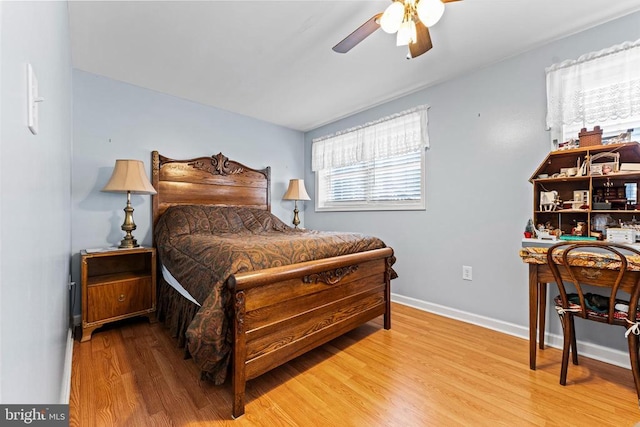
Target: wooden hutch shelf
(612,193)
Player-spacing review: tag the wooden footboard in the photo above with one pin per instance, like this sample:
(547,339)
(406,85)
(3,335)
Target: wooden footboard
(283,312)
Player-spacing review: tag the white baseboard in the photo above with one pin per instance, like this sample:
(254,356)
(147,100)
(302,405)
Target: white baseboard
(593,351)
(65,388)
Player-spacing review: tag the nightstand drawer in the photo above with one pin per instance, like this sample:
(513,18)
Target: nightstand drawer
(119,298)
(117,284)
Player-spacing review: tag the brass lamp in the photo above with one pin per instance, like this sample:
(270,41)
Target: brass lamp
(129,177)
(296,191)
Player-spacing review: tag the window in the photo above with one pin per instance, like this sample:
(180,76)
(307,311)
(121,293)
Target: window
(377,166)
(631,192)
(599,88)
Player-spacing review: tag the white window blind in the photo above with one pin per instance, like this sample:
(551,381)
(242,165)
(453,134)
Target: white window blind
(377,166)
(599,88)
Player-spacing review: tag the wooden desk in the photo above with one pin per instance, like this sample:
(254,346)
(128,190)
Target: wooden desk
(540,276)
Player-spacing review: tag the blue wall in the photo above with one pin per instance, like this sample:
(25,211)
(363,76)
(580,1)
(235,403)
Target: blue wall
(115,120)
(487,134)
(35,176)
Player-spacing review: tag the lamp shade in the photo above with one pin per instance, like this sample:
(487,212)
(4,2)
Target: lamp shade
(129,176)
(392,17)
(406,33)
(430,11)
(296,191)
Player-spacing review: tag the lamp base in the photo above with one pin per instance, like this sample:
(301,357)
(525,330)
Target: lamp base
(128,226)
(128,243)
(296,218)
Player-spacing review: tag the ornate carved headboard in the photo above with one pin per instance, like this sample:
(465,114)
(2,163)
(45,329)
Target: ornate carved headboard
(214,180)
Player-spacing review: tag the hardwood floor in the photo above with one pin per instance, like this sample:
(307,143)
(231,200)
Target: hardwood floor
(426,371)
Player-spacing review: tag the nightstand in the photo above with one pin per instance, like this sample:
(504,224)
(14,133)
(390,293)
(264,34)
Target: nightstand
(117,284)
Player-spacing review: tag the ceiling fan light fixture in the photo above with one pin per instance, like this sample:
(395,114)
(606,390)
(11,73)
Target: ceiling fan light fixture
(406,33)
(410,19)
(430,11)
(392,17)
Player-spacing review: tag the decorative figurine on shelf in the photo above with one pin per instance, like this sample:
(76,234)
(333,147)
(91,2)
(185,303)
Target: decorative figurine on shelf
(549,201)
(582,166)
(552,230)
(547,232)
(618,139)
(580,229)
(529,229)
(569,144)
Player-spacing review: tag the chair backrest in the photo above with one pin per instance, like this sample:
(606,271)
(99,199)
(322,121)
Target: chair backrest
(583,263)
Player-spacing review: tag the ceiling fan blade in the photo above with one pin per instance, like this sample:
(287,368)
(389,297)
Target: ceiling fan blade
(423,43)
(361,33)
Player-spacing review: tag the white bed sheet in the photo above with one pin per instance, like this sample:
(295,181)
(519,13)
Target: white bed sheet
(168,277)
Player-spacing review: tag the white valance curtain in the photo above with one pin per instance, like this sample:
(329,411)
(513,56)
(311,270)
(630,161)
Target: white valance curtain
(596,88)
(390,136)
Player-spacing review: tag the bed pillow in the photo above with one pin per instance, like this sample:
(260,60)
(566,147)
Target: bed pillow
(209,219)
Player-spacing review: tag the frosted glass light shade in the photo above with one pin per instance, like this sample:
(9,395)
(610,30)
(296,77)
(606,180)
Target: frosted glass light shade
(392,17)
(406,33)
(430,11)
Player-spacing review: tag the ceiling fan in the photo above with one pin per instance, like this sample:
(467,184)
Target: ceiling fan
(410,19)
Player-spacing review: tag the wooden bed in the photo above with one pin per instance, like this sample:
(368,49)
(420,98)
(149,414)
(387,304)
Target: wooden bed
(281,312)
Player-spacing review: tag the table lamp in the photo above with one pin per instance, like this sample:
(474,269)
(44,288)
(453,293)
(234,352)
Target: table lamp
(296,191)
(129,177)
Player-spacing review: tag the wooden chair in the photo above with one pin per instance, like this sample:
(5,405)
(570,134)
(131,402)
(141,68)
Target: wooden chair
(577,264)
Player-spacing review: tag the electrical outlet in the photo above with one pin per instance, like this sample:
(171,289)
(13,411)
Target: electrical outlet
(467,272)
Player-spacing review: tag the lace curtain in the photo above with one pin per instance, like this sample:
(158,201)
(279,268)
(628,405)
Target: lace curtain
(596,88)
(390,136)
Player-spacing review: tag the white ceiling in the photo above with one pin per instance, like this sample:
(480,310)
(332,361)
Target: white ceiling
(272,60)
